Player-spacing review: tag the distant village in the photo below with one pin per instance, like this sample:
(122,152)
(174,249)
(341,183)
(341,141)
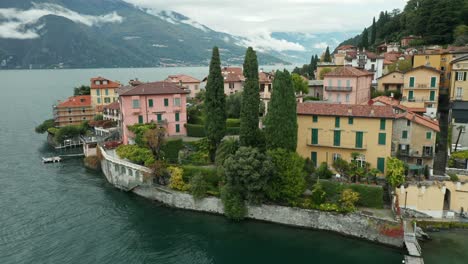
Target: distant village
(363,107)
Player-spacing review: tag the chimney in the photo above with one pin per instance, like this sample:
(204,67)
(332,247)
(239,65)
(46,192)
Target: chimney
(391,95)
(372,112)
(350,111)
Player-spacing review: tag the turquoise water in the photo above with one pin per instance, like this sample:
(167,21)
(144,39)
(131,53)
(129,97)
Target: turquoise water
(62,213)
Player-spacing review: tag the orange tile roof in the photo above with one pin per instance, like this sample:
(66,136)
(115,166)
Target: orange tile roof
(265,77)
(348,71)
(421,120)
(110,84)
(182,78)
(325,109)
(232,74)
(345,47)
(155,88)
(423,67)
(76,101)
(113,106)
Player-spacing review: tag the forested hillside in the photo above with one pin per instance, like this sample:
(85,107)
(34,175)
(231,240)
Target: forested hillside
(436,21)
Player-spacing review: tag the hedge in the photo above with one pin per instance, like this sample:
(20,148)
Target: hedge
(210,175)
(233,122)
(195,130)
(232,131)
(369,196)
(171,150)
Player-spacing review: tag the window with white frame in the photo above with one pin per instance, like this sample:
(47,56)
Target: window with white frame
(460,76)
(459,92)
(361,161)
(338,98)
(136,103)
(336,156)
(347,98)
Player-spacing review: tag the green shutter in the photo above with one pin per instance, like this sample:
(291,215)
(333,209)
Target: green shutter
(313,158)
(166,102)
(411,82)
(359,139)
(159,116)
(350,120)
(314,119)
(337,138)
(140,119)
(411,95)
(382,124)
(177,128)
(337,122)
(433,82)
(314,136)
(432,96)
(404,134)
(381,164)
(150,102)
(428,135)
(382,138)
(177,116)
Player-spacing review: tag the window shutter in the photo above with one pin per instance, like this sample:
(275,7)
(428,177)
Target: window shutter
(411,82)
(359,139)
(313,157)
(314,136)
(464,77)
(381,164)
(337,139)
(382,138)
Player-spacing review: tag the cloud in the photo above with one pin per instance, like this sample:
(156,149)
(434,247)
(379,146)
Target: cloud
(263,41)
(321,45)
(16,23)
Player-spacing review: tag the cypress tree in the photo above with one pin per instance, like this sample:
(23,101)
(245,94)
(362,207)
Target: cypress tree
(365,39)
(250,105)
(215,104)
(312,67)
(281,120)
(373,32)
(327,57)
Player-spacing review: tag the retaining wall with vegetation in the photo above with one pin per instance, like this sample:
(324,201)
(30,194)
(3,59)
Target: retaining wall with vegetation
(374,229)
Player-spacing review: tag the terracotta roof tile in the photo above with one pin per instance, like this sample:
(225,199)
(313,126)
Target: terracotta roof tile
(76,101)
(182,78)
(325,109)
(265,77)
(348,71)
(113,106)
(421,120)
(345,47)
(155,88)
(232,74)
(110,84)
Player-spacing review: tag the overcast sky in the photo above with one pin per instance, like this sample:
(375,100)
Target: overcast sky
(250,17)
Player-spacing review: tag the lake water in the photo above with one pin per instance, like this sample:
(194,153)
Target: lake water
(62,213)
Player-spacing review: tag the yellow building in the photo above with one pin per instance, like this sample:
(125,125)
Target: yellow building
(327,132)
(421,89)
(434,198)
(103,92)
(459,82)
(390,82)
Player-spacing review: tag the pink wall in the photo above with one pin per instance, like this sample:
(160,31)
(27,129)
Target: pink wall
(238,87)
(130,115)
(360,89)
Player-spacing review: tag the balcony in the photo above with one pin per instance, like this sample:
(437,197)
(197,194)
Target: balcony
(422,99)
(422,86)
(329,144)
(338,88)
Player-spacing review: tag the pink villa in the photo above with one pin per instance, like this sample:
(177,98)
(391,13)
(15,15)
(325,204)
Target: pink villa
(347,85)
(233,80)
(160,102)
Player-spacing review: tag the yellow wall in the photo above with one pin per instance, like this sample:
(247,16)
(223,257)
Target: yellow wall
(325,149)
(392,79)
(422,88)
(112,96)
(431,60)
(430,199)
(461,66)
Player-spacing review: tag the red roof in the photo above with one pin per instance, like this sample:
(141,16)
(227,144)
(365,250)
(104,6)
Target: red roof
(110,84)
(348,71)
(421,120)
(392,56)
(76,101)
(113,106)
(346,47)
(325,109)
(232,74)
(182,78)
(265,77)
(423,67)
(155,88)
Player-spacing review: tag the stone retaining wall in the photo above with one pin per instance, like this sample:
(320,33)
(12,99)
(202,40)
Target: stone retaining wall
(356,225)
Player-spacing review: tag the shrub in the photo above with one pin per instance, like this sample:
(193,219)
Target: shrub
(453,177)
(68,132)
(318,194)
(329,207)
(42,128)
(348,200)
(195,130)
(171,150)
(323,172)
(176,181)
(98,117)
(369,196)
(311,98)
(136,154)
(395,171)
(233,202)
(210,175)
(198,186)
(233,122)
(226,148)
(287,182)
(232,131)
(139,130)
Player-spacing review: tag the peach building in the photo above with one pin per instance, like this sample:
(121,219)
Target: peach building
(73,111)
(347,85)
(233,80)
(188,82)
(159,102)
(103,92)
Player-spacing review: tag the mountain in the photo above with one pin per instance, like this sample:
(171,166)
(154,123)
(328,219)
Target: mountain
(439,22)
(108,33)
(312,43)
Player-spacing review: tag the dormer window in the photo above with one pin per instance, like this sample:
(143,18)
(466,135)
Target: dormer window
(97,82)
(105,82)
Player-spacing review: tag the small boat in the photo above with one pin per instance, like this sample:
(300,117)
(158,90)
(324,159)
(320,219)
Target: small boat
(51,159)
